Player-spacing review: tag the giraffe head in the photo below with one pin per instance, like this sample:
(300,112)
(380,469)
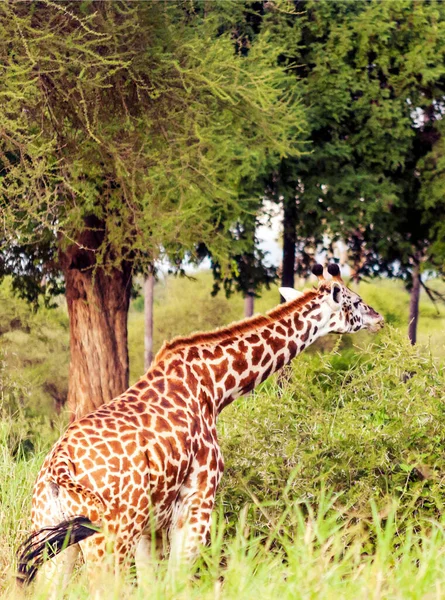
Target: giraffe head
(341,309)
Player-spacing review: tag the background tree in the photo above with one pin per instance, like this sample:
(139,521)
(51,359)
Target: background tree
(373,88)
(127,130)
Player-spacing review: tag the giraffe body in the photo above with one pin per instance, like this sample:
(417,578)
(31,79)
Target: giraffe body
(148,463)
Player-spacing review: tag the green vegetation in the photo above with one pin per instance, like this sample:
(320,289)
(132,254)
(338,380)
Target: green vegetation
(333,486)
(34,350)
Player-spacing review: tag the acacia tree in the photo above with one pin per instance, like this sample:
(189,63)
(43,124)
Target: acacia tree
(126,131)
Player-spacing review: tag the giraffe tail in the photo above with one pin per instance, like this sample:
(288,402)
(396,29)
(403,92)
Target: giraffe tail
(46,543)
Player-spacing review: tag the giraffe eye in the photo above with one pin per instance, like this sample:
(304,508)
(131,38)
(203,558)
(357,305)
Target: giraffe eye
(356,304)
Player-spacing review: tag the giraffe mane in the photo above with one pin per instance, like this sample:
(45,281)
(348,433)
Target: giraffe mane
(236,328)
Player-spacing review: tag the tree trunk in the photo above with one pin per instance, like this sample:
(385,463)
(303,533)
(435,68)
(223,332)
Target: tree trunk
(289,242)
(98,305)
(414,304)
(148,318)
(249,304)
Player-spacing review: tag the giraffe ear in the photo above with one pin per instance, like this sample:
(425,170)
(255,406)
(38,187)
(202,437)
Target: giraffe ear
(290,294)
(335,297)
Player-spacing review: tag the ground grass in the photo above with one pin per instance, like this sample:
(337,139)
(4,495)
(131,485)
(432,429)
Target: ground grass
(333,485)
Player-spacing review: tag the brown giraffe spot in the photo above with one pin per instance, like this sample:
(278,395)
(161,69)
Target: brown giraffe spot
(145,419)
(276,344)
(177,400)
(179,372)
(220,369)
(266,373)
(298,323)
(162,425)
(156,372)
(141,385)
(280,330)
(280,361)
(257,353)
(309,310)
(242,346)
(204,375)
(305,335)
(248,383)
(114,463)
(178,418)
(192,382)
(192,354)
(292,347)
(126,466)
(253,339)
(267,358)
(240,364)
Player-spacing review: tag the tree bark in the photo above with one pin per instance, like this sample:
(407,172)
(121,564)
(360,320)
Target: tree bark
(414,304)
(249,305)
(98,303)
(149,284)
(289,242)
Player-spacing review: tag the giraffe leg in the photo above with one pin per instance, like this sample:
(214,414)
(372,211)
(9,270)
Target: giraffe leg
(108,560)
(148,554)
(189,530)
(55,574)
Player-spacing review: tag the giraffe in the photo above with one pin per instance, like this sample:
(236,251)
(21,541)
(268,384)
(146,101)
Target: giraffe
(148,463)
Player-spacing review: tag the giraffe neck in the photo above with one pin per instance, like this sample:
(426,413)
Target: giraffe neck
(219,367)
(253,357)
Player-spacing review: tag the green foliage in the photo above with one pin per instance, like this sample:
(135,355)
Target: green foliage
(141,115)
(373,84)
(34,350)
(371,426)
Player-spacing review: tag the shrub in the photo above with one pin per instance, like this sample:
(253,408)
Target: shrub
(362,425)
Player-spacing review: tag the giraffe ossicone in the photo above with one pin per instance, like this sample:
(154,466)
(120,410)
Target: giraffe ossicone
(148,463)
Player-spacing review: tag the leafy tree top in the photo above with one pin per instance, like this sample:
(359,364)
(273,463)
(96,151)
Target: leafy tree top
(138,121)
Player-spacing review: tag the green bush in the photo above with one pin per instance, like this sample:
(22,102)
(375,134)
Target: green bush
(35,351)
(363,426)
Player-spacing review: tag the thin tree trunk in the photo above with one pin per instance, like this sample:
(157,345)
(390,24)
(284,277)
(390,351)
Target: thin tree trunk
(149,285)
(288,268)
(249,304)
(289,242)
(98,303)
(414,304)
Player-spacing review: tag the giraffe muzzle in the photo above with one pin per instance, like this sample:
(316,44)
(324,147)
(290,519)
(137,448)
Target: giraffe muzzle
(377,324)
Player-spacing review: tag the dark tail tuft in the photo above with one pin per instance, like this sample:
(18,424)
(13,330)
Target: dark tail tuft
(48,542)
